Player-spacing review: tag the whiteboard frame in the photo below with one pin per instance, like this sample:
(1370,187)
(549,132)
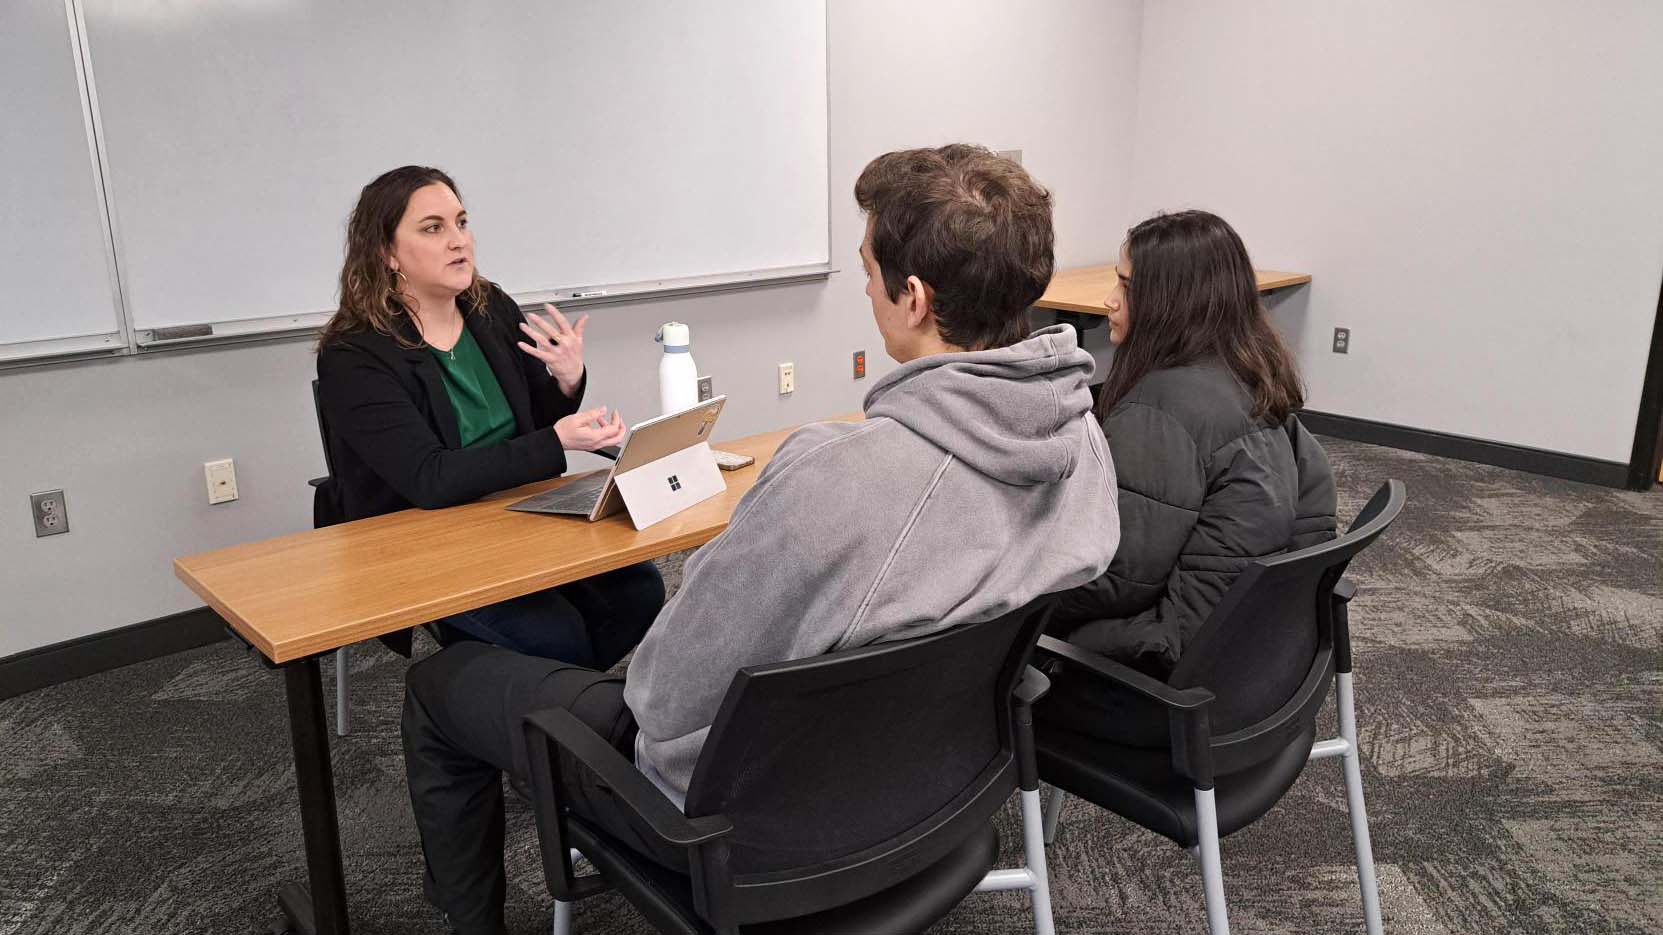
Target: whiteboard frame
(238,332)
(127,341)
(95,141)
(117,342)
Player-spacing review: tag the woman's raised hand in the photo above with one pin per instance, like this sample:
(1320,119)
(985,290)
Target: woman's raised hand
(558,344)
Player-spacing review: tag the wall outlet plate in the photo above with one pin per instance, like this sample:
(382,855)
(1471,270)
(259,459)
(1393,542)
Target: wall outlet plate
(51,513)
(1342,340)
(1014,155)
(707,389)
(788,378)
(222,480)
(860,365)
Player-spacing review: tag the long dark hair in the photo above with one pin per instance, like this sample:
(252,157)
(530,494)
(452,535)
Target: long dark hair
(1193,295)
(370,295)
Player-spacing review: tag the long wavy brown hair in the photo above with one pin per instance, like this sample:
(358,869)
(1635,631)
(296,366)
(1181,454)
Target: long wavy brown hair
(370,298)
(1193,295)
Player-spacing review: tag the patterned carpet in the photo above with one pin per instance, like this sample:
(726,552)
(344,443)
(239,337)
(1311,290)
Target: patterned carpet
(1509,642)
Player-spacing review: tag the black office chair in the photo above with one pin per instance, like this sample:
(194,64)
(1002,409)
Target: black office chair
(1240,707)
(320,519)
(850,792)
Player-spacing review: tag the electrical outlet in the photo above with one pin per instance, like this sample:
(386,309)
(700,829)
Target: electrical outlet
(1014,155)
(788,378)
(1342,340)
(860,365)
(222,480)
(706,389)
(51,513)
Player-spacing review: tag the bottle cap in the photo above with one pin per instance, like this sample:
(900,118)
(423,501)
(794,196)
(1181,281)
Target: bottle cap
(673,334)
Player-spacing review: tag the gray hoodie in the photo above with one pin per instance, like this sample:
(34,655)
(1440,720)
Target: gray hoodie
(977,482)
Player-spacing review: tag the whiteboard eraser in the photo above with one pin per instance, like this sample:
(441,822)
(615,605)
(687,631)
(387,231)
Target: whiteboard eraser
(180,332)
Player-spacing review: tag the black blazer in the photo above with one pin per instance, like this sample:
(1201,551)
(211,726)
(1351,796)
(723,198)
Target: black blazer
(392,433)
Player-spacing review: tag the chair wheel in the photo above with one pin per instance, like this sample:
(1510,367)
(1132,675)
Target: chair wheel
(281,926)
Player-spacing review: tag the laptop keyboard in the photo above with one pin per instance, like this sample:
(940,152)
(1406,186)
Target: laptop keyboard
(576,497)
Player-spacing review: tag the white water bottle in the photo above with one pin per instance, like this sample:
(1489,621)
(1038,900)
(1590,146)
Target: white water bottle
(678,376)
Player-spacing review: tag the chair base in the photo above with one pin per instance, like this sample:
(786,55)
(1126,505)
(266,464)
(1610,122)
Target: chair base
(1344,747)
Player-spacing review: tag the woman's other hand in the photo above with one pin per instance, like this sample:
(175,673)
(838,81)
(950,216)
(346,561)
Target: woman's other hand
(558,344)
(587,431)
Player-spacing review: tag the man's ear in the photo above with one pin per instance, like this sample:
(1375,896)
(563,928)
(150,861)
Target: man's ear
(920,302)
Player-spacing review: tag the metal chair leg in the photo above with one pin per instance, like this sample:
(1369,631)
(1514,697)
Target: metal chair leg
(1032,876)
(1212,869)
(342,702)
(1033,847)
(1354,804)
(562,918)
(1053,811)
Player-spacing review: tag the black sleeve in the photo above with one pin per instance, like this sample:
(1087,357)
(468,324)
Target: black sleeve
(548,404)
(1161,483)
(368,409)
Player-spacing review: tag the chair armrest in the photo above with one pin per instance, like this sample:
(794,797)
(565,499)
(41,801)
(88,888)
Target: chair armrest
(317,481)
(1345,590)
(1032,687)
(633,790)
(637,793)
(1186,708)
(1102,667)
(610,452)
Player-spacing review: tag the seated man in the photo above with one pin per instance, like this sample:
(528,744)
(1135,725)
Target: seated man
(978,481)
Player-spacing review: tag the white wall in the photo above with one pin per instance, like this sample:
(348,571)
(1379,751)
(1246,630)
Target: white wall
(126,438)
(1476,187)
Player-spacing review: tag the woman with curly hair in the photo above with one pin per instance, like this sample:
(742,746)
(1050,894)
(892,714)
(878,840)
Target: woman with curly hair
(436,391)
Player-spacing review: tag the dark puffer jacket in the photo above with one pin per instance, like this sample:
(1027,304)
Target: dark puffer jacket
(1205,488)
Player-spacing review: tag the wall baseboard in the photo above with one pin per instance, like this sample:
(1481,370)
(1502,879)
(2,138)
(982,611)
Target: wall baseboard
(100,652)
(1499,454)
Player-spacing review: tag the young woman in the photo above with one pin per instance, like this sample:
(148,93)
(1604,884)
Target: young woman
(1213,469)
(435,391)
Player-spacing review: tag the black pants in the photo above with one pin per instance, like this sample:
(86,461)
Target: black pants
(593,622)
(462,730)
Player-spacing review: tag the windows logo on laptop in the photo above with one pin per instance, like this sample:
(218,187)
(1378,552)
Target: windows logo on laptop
(675,482)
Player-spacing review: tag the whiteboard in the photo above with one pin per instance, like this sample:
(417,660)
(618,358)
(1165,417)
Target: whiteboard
(54,245)
(595,143)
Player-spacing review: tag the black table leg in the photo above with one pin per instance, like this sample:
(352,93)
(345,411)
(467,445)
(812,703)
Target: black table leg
(322,910)
(1081,323)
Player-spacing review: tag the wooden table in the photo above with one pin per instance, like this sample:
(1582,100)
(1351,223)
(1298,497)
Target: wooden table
(1084,289)
(295,598)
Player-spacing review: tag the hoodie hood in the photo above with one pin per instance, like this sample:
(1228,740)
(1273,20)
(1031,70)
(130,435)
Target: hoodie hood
(1011,413)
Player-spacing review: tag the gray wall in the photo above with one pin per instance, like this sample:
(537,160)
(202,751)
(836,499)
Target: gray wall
(1475,186)
(126,438)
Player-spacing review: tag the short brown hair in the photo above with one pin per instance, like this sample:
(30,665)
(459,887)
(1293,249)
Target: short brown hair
(973,226)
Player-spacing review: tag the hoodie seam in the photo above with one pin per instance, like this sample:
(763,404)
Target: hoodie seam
(895,550)
(1057,408)
(864,427)
(1097,450)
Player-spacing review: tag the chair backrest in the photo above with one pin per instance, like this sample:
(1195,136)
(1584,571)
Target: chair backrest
(845,772)
(1266,651)
(323,431)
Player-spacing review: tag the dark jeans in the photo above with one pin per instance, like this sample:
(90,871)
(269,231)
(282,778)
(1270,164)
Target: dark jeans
(462,730)
(593,622)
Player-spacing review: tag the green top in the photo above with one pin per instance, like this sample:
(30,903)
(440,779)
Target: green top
(482,413)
